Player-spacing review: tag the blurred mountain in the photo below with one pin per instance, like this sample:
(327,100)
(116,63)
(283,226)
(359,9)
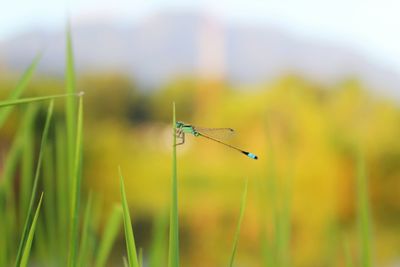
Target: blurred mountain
(168,45)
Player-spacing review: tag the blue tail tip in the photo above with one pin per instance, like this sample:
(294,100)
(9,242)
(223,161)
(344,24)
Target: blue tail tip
(251,155)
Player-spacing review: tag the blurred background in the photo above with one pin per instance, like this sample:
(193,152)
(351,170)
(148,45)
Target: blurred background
(303,83)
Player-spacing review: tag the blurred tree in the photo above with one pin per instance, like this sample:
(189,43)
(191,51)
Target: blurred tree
(108,96)
(182,92)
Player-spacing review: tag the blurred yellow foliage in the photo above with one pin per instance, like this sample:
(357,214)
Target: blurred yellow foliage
(304,134)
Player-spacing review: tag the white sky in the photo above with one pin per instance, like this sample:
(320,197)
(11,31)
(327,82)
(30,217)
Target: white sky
(371,26)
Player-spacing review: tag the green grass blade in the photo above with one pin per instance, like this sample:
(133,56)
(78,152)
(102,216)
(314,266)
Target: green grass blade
(239,225)
(29,217)
(3,232)
(70,107)
(173,256)
(20,88)
(141,257)
(364,224)
(71,125)
(70,68)
(129,237)
(32,227)
(110,234)
(63,191)
(49,207)
(8,204)
(84,247)
(126,264)
(158,244)
(27,166)
(43,248)
(36,99)
(75,191)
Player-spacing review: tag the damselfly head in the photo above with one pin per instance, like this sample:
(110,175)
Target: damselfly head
(179,124)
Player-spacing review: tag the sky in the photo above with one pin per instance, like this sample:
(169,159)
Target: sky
(369,26)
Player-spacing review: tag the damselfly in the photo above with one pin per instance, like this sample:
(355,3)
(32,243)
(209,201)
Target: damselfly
(209,133)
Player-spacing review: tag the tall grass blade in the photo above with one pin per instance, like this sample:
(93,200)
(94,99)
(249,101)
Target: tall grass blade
(364,221)
(129,237)
(63,191)
(126,264)
(173,256)
(49,207)
(157,255)
(75,190)
(32,227)
(110,234)
(141,257)
(71,130)
(84,247)
(20,88)
(43,247)
(239,225)
(3,232)
(70,107)
(29,218)
(27,166)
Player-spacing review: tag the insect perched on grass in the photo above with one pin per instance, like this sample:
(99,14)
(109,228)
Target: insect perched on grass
(209,133)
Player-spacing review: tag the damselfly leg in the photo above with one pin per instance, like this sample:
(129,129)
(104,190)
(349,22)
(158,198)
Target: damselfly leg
(181,136)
